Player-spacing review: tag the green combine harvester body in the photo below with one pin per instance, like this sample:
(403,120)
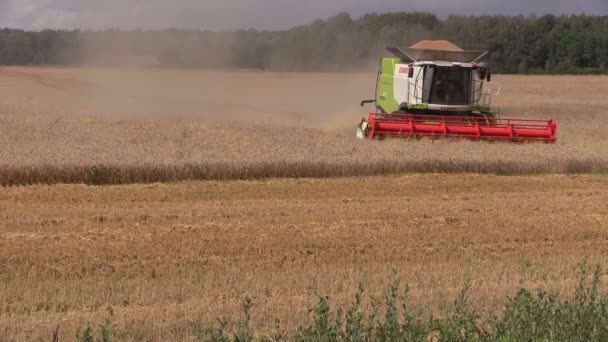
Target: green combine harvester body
(385,97)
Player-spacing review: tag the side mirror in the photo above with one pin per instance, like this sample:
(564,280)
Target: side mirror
(410,73)
(364,102)
(489,77)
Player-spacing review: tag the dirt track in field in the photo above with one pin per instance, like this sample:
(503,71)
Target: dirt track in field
(168,256)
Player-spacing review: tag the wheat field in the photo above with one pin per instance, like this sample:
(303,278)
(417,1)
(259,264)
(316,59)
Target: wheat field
(100,126)
(213,186)
(167,257)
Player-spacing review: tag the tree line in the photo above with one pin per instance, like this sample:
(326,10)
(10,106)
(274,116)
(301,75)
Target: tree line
(519,44)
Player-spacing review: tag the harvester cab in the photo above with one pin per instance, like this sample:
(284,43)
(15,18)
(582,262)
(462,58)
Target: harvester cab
(437,89)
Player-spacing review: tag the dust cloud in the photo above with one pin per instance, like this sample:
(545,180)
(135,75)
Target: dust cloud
(310,100)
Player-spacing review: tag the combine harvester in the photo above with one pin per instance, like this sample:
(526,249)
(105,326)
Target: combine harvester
(436,89)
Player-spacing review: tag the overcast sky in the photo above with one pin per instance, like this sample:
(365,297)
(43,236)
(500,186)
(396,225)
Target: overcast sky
(261,14)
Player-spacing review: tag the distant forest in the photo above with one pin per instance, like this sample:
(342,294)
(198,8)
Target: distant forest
(521,44)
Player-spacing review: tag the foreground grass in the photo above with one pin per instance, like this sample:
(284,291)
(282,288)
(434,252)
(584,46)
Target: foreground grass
(529,316)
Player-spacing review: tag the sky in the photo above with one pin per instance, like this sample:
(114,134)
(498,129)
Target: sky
(259,14)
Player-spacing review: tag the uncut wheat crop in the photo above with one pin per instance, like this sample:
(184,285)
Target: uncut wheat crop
(137,126)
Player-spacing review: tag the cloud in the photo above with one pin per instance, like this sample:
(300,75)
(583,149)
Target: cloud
(231,14)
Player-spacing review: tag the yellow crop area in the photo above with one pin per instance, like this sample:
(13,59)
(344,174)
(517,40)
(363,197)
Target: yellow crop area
(220,185)
(101,126)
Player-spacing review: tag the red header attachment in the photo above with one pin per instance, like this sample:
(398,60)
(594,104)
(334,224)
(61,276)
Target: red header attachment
(475,128)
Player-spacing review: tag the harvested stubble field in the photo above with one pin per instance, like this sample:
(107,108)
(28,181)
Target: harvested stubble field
(75,126)
(170,257)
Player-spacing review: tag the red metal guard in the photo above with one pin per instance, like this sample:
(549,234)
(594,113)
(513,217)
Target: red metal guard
(475,128)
